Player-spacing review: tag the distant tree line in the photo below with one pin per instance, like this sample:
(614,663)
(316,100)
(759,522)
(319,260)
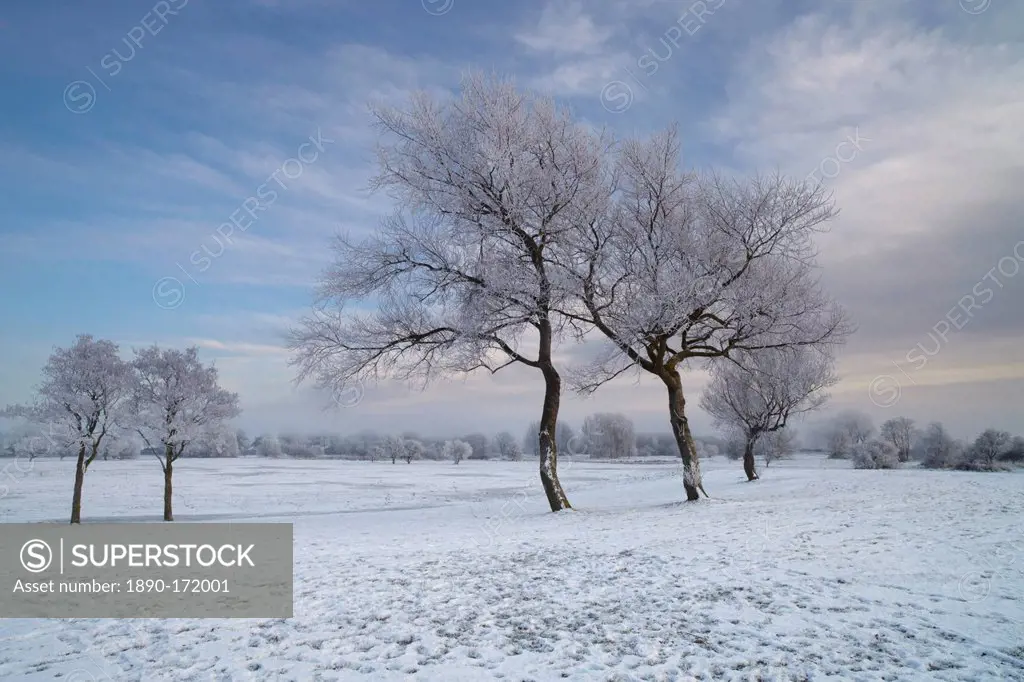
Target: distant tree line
(852,435)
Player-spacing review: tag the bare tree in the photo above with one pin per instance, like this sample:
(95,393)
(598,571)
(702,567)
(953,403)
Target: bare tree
(413,450)
(456,450)
(900,432)
(507,447)
(761,390)
(176,400)
(478,444)
(491,184)
(685,267)
(84,390)
(989,447)
(937,449)
(609,435)
(394,447)
(847,430)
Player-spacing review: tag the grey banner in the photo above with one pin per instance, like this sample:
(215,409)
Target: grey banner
(146,570)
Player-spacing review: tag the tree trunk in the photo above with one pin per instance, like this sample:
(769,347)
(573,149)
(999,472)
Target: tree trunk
(168,488)
(749,467)
(76,499)
(548,448)
(692,481)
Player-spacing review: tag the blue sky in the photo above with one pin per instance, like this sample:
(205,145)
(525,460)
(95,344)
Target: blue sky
(133,131)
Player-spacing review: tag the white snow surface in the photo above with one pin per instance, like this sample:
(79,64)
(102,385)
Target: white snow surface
(431,571)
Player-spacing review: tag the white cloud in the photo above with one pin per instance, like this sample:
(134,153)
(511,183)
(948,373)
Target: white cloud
(564,28)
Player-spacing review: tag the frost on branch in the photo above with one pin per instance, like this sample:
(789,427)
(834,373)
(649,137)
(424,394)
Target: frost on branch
(755,393)
(460,278)
(177,402)
(695,265)
(81,400)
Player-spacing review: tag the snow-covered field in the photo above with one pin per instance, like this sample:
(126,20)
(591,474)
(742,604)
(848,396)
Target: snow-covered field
(438,572)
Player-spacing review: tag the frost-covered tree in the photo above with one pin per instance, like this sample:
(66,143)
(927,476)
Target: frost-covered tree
(609,436)
(80,402)
(988,448)
(687,267)
(875,454)
(456,450)
(937,449)
(489,184)
(479,444)
(412,449)
(505,445)
(222,441)
(760,391)
(900,433)
(176,400)
(847,429)
(393,447)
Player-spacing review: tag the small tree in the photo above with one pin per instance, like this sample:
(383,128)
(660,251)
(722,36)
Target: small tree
(761,390)
(478,443)
(222,441)
(456,450)
(176,400)
(413,449)
(82,396)
(609,436)
(937,449)
(847,430)
(506,446)
(394,447)
(899,432)
(875,454)
(987,449)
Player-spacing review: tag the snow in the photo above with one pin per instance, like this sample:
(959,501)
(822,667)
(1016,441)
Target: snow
(431,571)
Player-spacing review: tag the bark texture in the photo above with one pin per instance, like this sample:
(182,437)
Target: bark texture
(548,447)
(692,481)
(749,465)
(76,499)
(168,484)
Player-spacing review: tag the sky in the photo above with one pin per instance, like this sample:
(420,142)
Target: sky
(133,133)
